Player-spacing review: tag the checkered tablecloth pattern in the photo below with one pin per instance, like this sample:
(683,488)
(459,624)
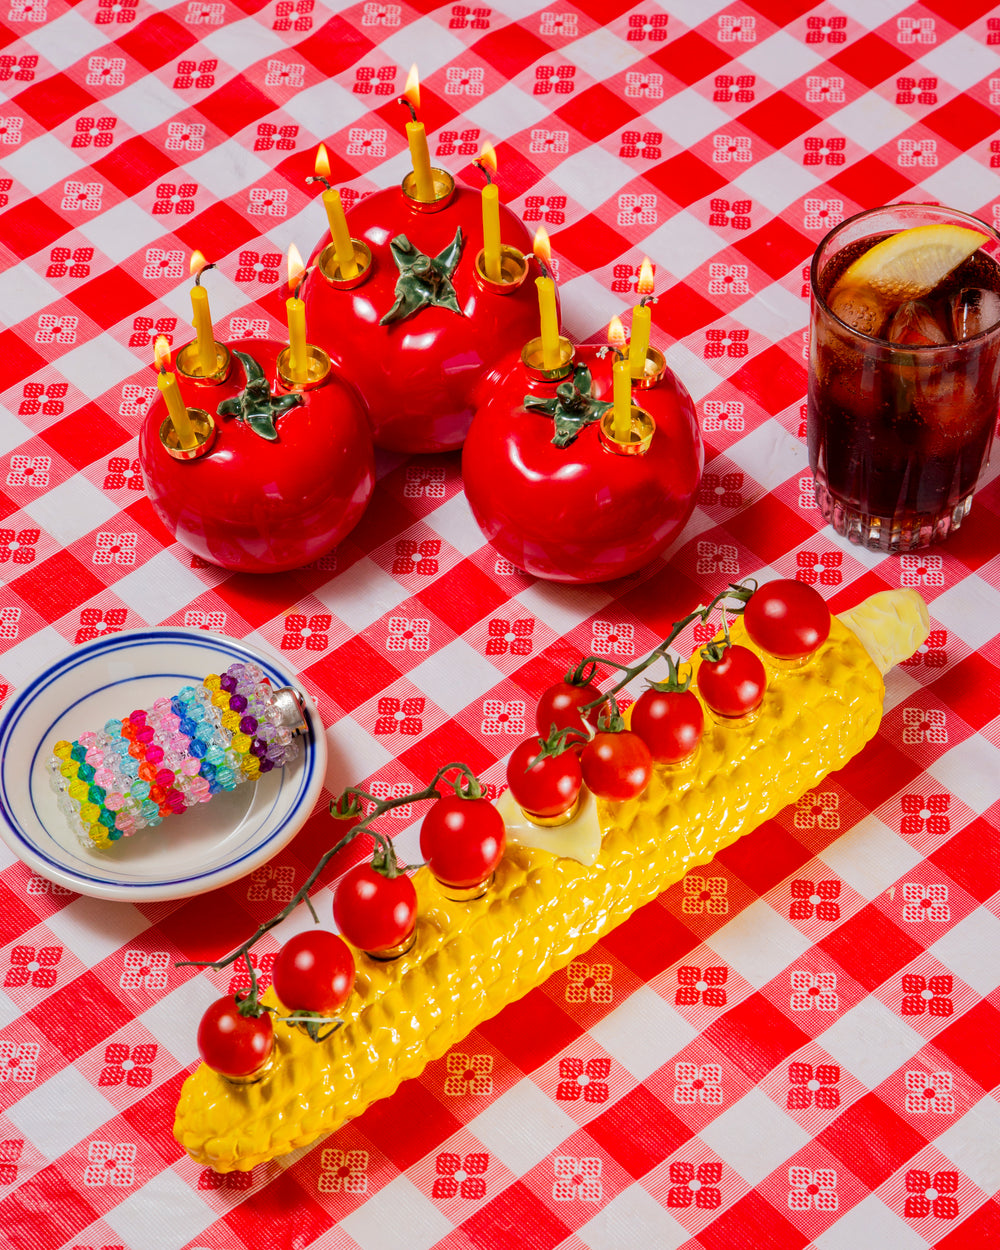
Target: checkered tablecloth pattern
(799,1044)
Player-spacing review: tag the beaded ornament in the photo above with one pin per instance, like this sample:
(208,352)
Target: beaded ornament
(156,762)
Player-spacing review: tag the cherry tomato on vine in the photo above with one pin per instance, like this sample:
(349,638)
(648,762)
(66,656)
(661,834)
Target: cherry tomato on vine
(787,619)
(733,685)
(616,765)
(372,911)
(546,786)
(560,706)
(462,840)
(670,722)
(233,1044)
(314,971)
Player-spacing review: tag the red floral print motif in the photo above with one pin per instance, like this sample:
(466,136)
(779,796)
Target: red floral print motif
(258,267)
(309,632)
(814,898)
(930,994)
(931,653)
(263,966)
(406,549)
(696,986)
(698,1185)
(95,622)
(468,1074)
(823,567)
(35,967)
(588,1079)
(130,1064)
(209,1179)
(809,1085)
(513,636)
(123,473)
(19,1061)
(932,1091)
(460,1176)
(698,1082)
(404,715)
(721,489)
(812,1189)
(18,546)
(10,1153)
(931,1195)
(930,813)
(589,982)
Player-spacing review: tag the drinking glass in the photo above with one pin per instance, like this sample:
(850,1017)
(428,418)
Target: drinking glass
(899,432)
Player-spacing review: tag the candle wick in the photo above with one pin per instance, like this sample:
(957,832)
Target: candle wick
(485,171)
(409,104)
(203,269)
(320,178)
(542,265)
(302,281)
(647,299)
(604,351)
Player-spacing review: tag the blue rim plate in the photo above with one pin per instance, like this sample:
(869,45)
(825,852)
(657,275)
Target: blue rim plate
(203,848)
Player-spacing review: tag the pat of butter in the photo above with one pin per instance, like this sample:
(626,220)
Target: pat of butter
(579,838)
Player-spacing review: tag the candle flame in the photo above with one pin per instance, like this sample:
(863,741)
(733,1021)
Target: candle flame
(322,166)
(412,91)
(488,157)
(295,267)
(198,263)
(161,353)
(616,332)
(541,247)
(645,286)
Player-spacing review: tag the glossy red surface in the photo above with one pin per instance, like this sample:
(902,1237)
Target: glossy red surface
(579,513)
(416,376)
(258,506)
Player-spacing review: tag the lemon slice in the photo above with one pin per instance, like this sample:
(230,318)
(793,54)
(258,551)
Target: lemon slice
(910,264)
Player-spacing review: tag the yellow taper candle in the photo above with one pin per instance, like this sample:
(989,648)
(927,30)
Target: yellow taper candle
(622,384)
(550,322)
(416,136)
(491,215)
(641,317)
(202,318)
(171,392)
(298,367)
(639,342)
(343,247)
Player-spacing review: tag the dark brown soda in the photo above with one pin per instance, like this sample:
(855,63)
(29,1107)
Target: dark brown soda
(900,437)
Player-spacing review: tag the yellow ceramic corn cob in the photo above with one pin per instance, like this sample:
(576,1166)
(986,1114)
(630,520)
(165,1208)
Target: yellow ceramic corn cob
(471,959)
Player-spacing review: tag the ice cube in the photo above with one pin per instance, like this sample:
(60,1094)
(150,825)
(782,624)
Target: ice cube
(974,310)
(858,307)
(914,324)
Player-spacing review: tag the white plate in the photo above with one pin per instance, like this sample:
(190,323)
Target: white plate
(204,847)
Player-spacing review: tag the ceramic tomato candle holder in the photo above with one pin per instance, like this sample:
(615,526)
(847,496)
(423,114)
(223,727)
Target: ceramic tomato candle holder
(275,478)
(419,324)
(554,490)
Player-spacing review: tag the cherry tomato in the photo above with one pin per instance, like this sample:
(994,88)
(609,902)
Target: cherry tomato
(462,840)
(616,765)
(233,1044)
(316,476)
(787,619)
(670,722)
(314,971)
(544,787)
(374,912)
(733,685)
(560,706)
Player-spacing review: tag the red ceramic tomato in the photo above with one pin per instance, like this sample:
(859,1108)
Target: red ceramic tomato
(543,785)
(416,375)
(256,505)
(616,765)
(314,971)
(670,722)
(787,619)
(374,913)
(579,513)
(560,706)
(462,840)
(733,685)
(233,1044)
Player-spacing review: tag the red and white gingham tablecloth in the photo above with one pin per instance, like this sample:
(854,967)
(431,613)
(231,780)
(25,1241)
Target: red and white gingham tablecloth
(798,1045)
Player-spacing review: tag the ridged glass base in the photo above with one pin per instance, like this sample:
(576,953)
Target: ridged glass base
(891,534)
